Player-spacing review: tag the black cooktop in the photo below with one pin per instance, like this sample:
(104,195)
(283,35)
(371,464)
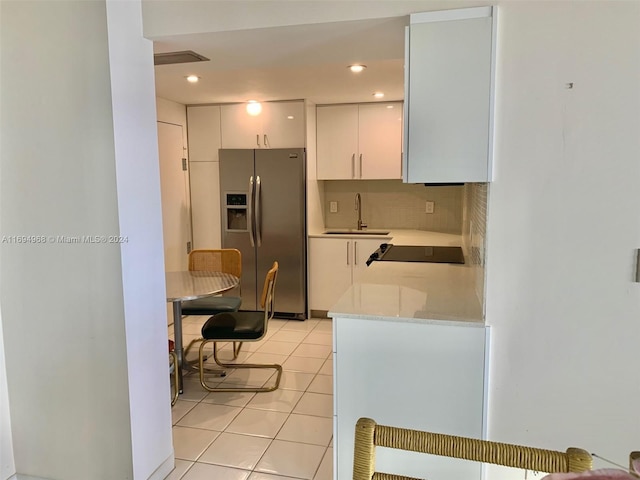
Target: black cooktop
(389,252)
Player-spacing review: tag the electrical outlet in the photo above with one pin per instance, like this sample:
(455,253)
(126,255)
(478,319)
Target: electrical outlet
(429,206)
(333,207)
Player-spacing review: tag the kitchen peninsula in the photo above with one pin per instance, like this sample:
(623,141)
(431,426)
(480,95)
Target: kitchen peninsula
(410,350)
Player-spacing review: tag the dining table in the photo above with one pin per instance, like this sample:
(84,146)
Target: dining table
(190,285)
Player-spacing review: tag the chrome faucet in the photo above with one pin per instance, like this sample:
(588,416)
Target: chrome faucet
(359,210)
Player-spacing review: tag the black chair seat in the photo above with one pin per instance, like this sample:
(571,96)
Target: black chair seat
(211,305)
(234,326)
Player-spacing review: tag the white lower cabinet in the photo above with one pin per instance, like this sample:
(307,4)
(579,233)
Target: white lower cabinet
(423,376)
(334,264)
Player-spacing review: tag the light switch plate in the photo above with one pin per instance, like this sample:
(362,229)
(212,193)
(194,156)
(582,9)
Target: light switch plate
(333,207)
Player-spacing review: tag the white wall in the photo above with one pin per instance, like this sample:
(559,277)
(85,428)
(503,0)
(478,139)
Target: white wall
(139,213)
(172,112)
(562,228)
(84,327)
(563,221)
(7,464)
(163,18)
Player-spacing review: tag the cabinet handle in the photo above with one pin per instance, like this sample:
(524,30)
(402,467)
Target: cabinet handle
(360,165)
(266,141)
(353,166)
(355,253)
(638,265)
(348,253)
(258,140)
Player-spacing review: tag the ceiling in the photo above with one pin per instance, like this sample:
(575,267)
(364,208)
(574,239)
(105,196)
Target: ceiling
(285,63)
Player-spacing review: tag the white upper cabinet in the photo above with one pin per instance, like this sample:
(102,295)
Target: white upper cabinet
(337,142)
(448,96)
(279,125)
(359,141)
(380,140)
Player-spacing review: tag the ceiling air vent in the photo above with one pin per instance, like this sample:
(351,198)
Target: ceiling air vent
(177,57)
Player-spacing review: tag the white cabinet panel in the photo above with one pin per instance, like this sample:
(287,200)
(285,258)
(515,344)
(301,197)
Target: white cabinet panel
(334,264)
(205,204)
(337,142)
(239,129)
(329,271)
(448,97)
(284,124)
(279,125)
(412,375)
(380,141)
(203,131)
(359,141)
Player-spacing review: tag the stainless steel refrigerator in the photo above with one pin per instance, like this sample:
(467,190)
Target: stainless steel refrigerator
(263,201)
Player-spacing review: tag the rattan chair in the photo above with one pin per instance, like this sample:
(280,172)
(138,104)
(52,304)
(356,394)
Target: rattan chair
(228,260)
(241,327)
(370,435)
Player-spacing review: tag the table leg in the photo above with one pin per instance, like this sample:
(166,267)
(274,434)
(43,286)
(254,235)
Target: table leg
(177,334)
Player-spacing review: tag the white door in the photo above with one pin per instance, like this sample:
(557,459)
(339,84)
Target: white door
(174,186)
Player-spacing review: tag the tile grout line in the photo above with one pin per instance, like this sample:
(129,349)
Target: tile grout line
(246,405)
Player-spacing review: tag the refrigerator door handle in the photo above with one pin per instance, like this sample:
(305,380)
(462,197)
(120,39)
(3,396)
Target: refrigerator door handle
(250,213)
(258,230)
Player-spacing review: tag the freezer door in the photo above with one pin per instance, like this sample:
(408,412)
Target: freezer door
(236,172)
(281,225)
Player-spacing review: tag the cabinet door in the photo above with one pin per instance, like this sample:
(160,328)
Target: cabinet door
(330,262)
(239,129)
(362,249)
(203,124)
(380,140)
(337,142)
(283,124)
(205,204)
(411,375)
(449,97)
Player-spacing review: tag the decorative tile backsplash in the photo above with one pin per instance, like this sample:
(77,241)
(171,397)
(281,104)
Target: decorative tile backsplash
(393,204)
(474,229)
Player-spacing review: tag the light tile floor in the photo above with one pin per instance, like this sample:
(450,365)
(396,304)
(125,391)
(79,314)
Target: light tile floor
(282,435)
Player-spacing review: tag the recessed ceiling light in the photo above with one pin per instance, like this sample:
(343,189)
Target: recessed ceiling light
(254,108)
(378,94)
(357,68)
(193,78)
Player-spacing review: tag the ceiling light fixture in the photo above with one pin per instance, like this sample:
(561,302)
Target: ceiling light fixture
(378,94)
(290,117)
(254,108)
(193,79)
(357,68)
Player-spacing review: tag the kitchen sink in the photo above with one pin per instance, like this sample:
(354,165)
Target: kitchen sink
(355,232)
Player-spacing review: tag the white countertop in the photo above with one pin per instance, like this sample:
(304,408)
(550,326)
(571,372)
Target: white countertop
(414,291)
